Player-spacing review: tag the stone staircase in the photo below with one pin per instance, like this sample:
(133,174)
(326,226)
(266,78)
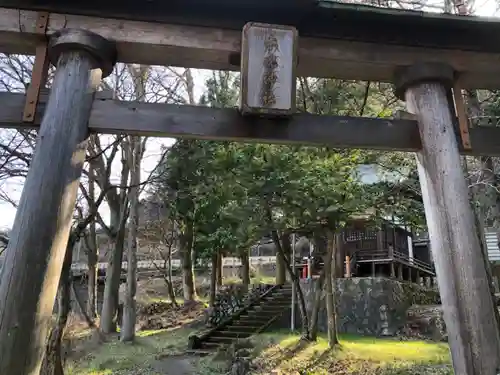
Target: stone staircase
(254,318)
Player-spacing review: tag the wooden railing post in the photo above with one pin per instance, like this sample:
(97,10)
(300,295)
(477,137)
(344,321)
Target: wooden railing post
(467,304)
(393,271)
(32,268)
(400,271)
(347,266)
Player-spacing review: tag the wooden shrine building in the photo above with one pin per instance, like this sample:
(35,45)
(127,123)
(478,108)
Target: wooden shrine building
(366,247)
(385,249)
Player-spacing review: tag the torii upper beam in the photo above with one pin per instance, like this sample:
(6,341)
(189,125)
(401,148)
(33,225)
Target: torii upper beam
(336,40)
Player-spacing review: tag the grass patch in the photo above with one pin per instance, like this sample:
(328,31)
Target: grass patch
(115,357)
(286,354)
(280,352)
(387,350)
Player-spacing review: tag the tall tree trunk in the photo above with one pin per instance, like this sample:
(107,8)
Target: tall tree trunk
(245,269)
(330,290)
(187,263)
(92,252)
(188,277)
(170,285)
(81,308)
(189,81)
(219,269)
(484,211)
(321,247)
(491,191)
(339,257)
(213,279)
(92,278)
(295,280)
(127,332)
(53,361)
(280,266)
(193,264)
(114,269)
(286,246)
(112,285)
(318,291)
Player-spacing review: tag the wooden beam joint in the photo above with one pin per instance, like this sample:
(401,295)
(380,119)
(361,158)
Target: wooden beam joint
(463,121)
(405,77)
(40,70)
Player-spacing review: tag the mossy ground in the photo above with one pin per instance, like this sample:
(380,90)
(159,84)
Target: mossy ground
(163,352)
(281,353)
(115,357)
(286,354)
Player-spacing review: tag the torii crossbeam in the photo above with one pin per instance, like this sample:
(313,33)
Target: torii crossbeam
(362,45)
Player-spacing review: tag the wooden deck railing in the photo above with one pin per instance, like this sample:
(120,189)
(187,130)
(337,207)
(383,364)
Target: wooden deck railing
(372,255)
(366,256)
(415,262)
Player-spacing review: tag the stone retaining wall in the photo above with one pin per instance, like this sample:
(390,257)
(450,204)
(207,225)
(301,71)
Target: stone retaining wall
(425,322)
(371,306)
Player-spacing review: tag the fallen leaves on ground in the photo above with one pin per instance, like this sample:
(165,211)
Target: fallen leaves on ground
(160,315)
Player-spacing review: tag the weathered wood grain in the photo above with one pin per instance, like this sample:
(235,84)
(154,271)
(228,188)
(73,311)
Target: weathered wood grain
(313,18)
(215,48)
(168,120)
(37,244)
(460,267)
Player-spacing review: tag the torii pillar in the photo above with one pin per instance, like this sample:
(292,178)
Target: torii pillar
(34,257)
(463,284)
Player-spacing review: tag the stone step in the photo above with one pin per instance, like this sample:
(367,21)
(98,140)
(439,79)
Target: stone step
(282,290)
(277,298)
(270,307)
(219,339)
(250,321)
(260,315)
(283,293)
(274,303)
(255,315)
(277,303)
(233,334)
(263,316)
(241,328)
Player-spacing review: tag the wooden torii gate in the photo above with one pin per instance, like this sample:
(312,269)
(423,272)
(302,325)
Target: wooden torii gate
(424,55)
